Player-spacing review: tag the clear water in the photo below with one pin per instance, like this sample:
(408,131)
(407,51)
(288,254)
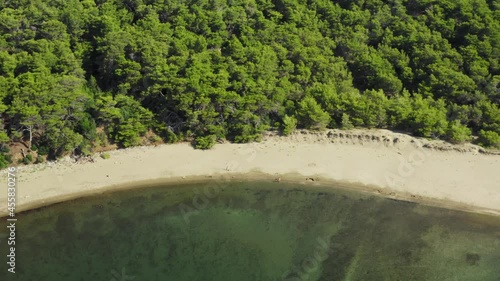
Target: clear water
(242,231)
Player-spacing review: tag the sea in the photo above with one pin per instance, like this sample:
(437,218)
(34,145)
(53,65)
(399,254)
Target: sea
(221,230)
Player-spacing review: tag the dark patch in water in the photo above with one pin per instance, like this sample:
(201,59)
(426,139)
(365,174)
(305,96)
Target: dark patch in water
(472,259)
(65,225)
(123,225)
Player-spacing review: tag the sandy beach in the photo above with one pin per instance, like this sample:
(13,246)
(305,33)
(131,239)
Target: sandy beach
(390,164)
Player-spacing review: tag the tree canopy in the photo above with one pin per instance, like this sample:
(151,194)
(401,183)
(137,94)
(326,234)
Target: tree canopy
(213,69)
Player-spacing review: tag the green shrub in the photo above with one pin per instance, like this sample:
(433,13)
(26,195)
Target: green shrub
(346,122)
(216,130)
(4,149)
(154,139)
(248,138)
(458,133)
(311,115)
(26,160)
(85,147)
(105,155)
(171,137)
(205,142)
(489,139)
(43,150)
(429,118)
(289,125)
(87,127)
(5,160)
(102,139)
(128,134)
(39,159)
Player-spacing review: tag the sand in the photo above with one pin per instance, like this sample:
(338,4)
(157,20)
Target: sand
(383,162)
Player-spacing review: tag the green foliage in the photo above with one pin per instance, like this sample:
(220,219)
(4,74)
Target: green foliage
(43,150)
(247,127)
(61,140)
(3,136)
(247,133)
(346,122)
(154,139)
(87,127)
(27,159)
(196,69)
(127,120)
(289,125)
(5,160)
(428,118)
(458,133)
(171,137)
(105,155)
(205,142)
(101,139)
(368,109)
(85,147)
(489,139)
(127,134)
(4,149)
(39,159)
(311,116)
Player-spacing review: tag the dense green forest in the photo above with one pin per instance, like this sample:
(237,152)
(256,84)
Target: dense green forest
(77,74)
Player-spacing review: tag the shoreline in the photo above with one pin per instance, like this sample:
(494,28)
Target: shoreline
(261,177)
(381,162)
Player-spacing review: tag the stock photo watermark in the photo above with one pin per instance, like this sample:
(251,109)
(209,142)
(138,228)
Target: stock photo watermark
(11,220)
(202,198)
(407,165)
(311,263)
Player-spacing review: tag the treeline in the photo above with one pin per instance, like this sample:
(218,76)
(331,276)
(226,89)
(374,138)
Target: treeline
(75,74)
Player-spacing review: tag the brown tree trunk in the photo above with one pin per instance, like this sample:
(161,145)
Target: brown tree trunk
(31,139)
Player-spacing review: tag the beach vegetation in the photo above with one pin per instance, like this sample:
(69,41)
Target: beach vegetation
(80,74)
(154,139)
(4,148)
(105,155)
(311,115)
(489,139)
(39,159)
(346,122)
(205,142)
(289,125)
(26,159)
(101,139)
(5,160)
(42,150)
(458,133)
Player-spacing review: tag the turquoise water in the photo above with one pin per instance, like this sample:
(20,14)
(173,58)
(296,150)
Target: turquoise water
(252,231)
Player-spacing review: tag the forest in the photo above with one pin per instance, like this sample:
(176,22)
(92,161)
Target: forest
(81,74)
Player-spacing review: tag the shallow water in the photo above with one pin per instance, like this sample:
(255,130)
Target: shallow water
(252,231)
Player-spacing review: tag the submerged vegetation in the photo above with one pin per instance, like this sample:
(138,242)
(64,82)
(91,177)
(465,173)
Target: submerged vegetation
(76,74)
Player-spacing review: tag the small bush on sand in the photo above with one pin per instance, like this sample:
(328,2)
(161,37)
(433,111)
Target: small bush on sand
(39,159)
(489,139)
(206,142)
(289,125)
(26,160)
(5,160)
